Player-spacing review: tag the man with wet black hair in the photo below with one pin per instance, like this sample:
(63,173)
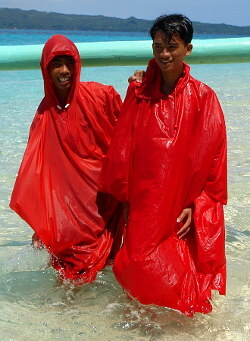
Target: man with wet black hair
(167,164)
(172,25)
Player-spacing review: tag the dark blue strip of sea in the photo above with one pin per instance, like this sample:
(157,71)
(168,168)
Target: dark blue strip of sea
(33,37)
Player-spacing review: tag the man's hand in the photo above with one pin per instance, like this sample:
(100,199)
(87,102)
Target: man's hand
(37,242)
(185,217)
(137,76)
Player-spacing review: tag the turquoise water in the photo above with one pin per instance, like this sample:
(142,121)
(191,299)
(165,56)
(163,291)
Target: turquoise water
(35,305)
(30,37)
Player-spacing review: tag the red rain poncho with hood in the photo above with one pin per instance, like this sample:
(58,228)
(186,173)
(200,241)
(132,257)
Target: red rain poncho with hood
(56,187)
(169,153)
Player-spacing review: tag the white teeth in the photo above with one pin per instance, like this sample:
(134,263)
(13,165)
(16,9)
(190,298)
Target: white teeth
(63,80)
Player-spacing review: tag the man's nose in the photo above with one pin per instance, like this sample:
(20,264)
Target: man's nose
(165,51)
(64,69)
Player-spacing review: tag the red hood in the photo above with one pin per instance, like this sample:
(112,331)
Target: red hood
(55,46)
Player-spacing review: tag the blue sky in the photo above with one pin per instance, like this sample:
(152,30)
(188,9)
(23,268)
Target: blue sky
(234,12)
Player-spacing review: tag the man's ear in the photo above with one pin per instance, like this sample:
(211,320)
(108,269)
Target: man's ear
(189,49)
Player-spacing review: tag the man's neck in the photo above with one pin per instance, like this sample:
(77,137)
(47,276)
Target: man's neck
(62,97)
(169,81)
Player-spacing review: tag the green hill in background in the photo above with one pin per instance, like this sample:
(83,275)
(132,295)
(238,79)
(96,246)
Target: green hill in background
(20,19)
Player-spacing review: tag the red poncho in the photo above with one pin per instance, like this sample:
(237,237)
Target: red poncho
(56,187)
(169,153)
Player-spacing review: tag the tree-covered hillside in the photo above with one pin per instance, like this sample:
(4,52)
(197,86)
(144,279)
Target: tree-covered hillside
(20,19)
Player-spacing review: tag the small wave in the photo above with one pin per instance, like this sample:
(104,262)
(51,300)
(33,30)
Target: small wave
(26,259)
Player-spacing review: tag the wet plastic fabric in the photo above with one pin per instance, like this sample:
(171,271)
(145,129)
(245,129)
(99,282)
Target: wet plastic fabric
(56,187)
(169,153)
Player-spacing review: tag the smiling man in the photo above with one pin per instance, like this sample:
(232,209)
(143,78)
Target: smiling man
(167,164)
(61,71)
(56,187)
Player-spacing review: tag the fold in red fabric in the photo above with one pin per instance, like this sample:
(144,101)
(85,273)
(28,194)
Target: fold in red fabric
(56,187)
(169,153)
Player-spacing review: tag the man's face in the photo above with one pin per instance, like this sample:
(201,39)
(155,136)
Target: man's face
(169,53)
(61,71)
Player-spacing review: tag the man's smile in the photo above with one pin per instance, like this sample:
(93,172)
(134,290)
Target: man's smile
(64,79)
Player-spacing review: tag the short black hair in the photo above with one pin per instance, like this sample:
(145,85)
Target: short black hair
(173,25)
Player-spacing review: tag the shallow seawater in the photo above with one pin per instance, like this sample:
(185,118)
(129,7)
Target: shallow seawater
(35,305)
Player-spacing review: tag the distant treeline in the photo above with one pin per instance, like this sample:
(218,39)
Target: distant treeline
(20,19)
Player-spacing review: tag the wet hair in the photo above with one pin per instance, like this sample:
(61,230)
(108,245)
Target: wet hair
(173,25)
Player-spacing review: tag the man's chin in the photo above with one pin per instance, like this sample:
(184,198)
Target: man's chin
(64,86)
(165,66)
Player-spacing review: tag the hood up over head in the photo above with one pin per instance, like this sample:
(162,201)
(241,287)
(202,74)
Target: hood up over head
(59,45)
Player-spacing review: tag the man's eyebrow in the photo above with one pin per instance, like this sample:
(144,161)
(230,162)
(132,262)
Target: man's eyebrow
(69,58)
(58,58)
(173,42)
